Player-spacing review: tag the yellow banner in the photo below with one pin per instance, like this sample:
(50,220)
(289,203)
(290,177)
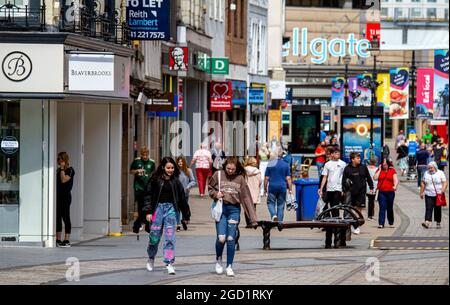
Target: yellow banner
(274,124)
(384,90)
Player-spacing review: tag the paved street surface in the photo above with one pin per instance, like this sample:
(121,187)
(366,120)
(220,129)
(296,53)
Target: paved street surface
(297,256)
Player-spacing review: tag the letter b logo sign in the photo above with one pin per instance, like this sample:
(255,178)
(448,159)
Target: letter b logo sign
(17,66)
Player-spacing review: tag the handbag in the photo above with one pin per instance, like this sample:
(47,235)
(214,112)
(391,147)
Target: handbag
(441,201)
(217,206)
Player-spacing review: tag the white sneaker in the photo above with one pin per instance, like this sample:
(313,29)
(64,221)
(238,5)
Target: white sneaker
(219,268)
(357,231)
(230,272)
(150,265)
(170,269)
(275,218)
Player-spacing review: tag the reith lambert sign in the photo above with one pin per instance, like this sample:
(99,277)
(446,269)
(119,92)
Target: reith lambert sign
(321,48)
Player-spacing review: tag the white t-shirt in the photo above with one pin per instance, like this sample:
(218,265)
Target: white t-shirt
(438,179)
(334,171)
(372,172)
(202,157)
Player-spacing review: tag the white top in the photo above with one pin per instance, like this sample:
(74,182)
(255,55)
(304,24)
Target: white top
(334,171)
(438,179)
(202,157)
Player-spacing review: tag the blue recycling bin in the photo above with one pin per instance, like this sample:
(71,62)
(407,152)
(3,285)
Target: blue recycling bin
(307,198)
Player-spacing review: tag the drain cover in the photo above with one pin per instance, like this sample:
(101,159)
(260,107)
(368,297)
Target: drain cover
(410,243)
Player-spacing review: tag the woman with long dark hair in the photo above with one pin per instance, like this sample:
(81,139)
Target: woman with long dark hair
(165,196)
(234,192)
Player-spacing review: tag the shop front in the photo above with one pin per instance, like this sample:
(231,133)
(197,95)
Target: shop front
(60,92)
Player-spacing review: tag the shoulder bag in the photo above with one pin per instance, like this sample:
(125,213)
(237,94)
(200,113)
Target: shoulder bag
(217,205)
(441,201)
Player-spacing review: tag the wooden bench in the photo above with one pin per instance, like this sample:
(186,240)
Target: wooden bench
(352,217)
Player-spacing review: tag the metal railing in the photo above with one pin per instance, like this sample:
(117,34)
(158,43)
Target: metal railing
(24,18)
(74,19)
(90,23)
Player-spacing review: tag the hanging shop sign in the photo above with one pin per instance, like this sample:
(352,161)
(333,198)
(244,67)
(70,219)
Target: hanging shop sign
(91,72)
(221,96)
(23,67)
(148,19)
(179,57)
(278,90)
(239,98)
(441,82)
(9,145)
(338,92)
(425,91)
(399,108)
(256,96)
(322,48)
(373,30)
(166,103)
(384,90)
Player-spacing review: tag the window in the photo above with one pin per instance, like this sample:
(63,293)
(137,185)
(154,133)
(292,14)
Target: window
(398,13)
(416,1)
(211,8)
(446,14)
(431,1)
(384,11)
(221,9)
(431,13)
(399,1)
(416,12)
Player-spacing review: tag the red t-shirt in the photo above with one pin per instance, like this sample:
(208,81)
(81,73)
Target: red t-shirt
(321,159)
(386,180)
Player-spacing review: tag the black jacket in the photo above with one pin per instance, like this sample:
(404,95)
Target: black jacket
(358,176)
(153,192)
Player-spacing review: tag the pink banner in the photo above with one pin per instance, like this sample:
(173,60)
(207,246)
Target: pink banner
(425,93)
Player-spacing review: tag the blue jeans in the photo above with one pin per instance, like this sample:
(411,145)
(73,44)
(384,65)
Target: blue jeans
(386,202)
(226,231)
(420,173)
(276,202)
(320,166)
(165,219)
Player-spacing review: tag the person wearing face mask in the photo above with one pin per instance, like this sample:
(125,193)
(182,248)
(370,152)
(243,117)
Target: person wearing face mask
(434,183)
(235,193)
(164,197)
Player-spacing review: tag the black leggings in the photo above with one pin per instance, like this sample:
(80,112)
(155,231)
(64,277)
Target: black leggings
(430,205)
(371,208)
(63,214)
(139,197)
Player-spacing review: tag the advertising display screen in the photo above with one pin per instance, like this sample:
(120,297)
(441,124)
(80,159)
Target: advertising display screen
(356,137)
(305,131)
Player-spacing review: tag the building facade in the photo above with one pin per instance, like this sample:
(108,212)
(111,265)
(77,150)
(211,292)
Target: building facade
(75,110)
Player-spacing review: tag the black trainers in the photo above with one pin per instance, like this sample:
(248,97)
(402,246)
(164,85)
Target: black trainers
(183,223)
(58,243)
(178,228)
(66,244)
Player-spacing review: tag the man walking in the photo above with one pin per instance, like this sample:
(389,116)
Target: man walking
(276,182)
(355,179)
(332,176)
(422,157)
(141,168)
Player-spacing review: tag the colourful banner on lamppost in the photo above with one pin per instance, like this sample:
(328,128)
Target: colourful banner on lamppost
(364,93)
(384,90)
(338,92)
(441,82)
(399,109)
(425,91)
(352,88)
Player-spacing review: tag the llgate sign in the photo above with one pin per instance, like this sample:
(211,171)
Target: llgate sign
(321,48)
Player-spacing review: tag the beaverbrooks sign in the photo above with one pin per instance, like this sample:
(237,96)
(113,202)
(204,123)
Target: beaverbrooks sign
(321,48)
(91,72)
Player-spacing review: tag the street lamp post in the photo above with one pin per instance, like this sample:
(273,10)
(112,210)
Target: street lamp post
(374,86)
(347,60)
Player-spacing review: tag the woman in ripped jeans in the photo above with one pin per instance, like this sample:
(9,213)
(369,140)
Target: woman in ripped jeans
(234,193)
(165,197)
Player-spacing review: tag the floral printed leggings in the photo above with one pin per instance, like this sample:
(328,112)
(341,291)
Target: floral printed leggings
(165,219)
